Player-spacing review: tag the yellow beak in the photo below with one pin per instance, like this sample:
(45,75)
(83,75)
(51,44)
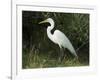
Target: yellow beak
(43,22)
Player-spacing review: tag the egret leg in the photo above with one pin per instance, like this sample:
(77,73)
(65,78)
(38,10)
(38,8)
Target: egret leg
(61,54)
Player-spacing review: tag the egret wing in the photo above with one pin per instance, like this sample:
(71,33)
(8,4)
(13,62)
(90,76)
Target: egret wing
(63,41)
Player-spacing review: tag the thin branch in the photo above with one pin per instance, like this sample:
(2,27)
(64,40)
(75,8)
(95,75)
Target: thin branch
(82,46)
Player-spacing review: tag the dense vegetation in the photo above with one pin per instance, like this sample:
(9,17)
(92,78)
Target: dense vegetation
(39,52)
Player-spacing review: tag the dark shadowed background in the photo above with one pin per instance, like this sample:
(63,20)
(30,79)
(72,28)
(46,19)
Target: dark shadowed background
(39,52)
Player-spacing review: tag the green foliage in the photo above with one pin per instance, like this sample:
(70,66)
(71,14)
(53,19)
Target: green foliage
(38,51)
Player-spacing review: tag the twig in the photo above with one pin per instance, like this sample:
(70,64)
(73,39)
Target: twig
(82,46)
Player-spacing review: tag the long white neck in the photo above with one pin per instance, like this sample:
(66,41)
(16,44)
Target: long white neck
(51,25)
(50,35)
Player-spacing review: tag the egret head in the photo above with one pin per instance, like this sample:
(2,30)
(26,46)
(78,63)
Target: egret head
(50,20)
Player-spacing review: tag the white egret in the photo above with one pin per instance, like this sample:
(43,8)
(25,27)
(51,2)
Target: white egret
(59,38)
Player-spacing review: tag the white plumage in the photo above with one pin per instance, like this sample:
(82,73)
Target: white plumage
(63,41)
(58,37)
